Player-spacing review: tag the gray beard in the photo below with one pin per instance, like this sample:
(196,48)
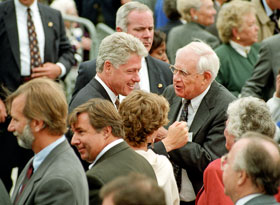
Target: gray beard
(26,138)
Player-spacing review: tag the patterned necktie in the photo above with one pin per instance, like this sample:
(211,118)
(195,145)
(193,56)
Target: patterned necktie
(25,180)
(177,169)
(117,102)
(274,19)
(35,59)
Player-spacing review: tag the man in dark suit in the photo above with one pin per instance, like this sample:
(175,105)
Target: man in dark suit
(136,19)
(56,59)
(54,175)
(251,170)
(262,82)
(118,64)
(195,97)
(98,133)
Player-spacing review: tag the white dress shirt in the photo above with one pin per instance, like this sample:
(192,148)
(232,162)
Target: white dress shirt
(187,191)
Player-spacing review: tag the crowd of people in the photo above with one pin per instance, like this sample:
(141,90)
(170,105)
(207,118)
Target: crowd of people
(180,107)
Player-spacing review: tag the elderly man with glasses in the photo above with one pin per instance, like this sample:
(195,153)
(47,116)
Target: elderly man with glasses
(195,97)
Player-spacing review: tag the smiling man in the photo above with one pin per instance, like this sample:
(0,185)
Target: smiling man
(118,64)
(98,133)
(136,19)
(195,97)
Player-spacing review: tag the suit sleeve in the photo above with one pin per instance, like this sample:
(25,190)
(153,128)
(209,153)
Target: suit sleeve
(56,191)
(66,52)
(199,154)
(81,80)
(86,72)
(255,85)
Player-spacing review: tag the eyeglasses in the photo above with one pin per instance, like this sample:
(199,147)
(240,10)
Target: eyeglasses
(224,161)
(175,70)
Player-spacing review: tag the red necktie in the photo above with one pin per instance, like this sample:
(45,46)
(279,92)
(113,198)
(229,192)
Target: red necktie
(25,180)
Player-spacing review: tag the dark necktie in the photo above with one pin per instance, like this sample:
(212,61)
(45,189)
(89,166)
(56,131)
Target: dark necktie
(35,59)
(117,102)
(274,19)
(25,180)
(178,170)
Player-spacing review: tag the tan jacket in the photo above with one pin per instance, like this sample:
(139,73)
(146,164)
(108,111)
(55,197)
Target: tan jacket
(266,26)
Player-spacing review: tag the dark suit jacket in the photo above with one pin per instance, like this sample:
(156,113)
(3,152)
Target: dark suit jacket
(159,75)
(60,179)
(262,82)
(120,160)
(57,46)
(262,199)
(208,132)
(92,90)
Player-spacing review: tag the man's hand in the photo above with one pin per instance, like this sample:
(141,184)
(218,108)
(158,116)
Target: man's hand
(177,136)
(3,112)
(49,70)
(278,86)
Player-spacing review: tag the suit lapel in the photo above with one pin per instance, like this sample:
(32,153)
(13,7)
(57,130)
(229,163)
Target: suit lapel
(12,31)
(20,180)
(48,27)
(154,77)
(203,111)
(97,86)
(41,170)
(174,110)
(114,150)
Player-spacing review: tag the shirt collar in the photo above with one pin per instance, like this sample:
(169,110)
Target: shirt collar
(267,8)
(112,95)
(247,198)
(195,102)
(242,50)
(105,149)
(33,7)
(41,156)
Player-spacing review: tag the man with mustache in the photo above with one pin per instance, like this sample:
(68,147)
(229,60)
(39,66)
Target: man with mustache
(54,175)
(136,19)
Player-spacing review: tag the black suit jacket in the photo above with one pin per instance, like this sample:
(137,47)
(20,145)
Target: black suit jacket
(57,46)
(160,75)
(120,160)
(92,90)
(207,127)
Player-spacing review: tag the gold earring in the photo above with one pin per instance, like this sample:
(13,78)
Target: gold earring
(238,38)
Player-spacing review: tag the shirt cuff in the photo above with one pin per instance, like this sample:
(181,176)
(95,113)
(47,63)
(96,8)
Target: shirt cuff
(62,68)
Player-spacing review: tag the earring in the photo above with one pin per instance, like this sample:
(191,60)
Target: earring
(238,38)
(195,18)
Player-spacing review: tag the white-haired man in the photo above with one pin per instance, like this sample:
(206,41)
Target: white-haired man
(195,97)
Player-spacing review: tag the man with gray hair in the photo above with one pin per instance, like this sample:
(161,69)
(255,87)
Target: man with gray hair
(251,172)
(136,19)
(195,97)
(244,114)
(117,65)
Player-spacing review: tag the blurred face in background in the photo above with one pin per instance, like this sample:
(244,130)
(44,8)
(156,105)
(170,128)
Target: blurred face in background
(141,26)
(248,33)
(206,14)
(160,53)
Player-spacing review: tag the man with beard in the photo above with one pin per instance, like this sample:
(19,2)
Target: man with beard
(54,175)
